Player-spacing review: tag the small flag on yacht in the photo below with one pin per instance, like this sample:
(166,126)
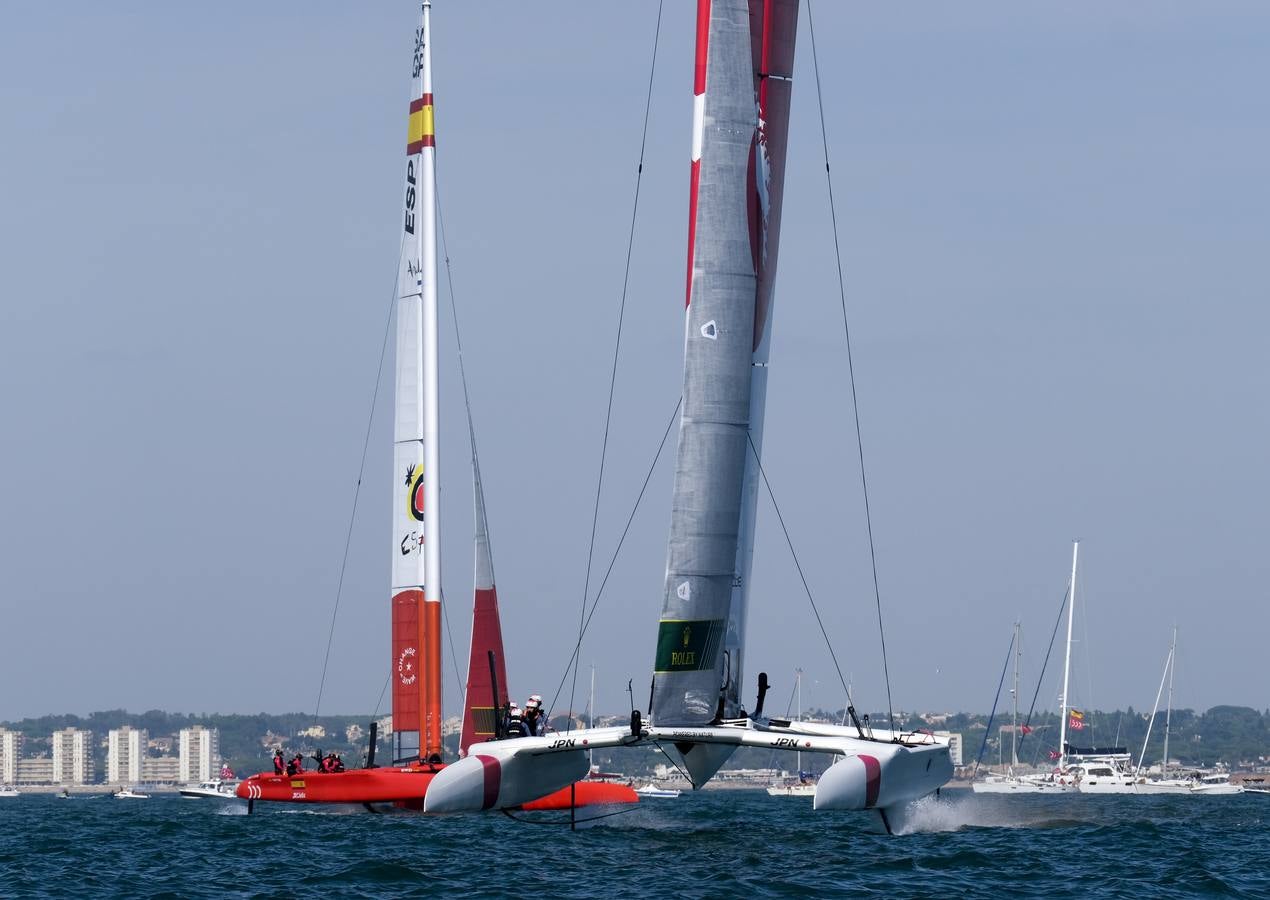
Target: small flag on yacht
(1076,719)
(1054,754)
(1025,729)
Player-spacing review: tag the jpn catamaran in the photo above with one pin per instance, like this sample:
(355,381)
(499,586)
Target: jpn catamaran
(741,97)
(417,753)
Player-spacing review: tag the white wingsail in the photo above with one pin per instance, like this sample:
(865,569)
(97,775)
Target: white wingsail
(745,53)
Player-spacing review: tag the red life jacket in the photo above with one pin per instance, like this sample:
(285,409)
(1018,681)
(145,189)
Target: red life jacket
(278,765)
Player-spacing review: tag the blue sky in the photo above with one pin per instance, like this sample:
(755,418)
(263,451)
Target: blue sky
(1054,229)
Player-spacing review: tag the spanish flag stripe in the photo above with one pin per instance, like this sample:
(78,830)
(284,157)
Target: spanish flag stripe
(420,133)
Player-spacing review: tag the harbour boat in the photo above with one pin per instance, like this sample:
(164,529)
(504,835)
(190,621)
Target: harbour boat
(1215,784)
(125,793)
(653,791)
(215,789)
(9,791)
(741,95)
(416,625)
(794,789)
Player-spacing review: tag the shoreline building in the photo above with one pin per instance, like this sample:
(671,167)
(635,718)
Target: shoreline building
(125,749)
(199,754)
(10,747)
(73,756)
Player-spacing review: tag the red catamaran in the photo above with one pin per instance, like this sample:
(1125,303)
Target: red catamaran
(416,744)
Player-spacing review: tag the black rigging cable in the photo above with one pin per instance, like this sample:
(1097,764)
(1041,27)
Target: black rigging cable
(617,346)
(577,648)
(799,566)
(357,492)
(855,405)
(1027,723)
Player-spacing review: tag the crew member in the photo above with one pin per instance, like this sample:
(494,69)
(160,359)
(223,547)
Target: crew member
(514,723)
(279,764)
(534,723)
(296,766)
(337,764)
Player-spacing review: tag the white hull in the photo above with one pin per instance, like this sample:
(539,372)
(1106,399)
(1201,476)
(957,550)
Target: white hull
(1216,790)
(649,790)
(878,773)
(207,794)
(792,790)
(10,792)
(1166,786)
(1021,786)
(130,795)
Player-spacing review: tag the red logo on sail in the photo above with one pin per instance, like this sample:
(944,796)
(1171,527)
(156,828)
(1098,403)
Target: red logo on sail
(414,491)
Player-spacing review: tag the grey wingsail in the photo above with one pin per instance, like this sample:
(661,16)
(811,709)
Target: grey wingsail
(744,59)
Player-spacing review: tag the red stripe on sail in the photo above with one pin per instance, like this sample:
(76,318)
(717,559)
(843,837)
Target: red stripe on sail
(487,635)
(692,224)
(873,780)
(493,773)
(414,147)
(703,42)
(407,661)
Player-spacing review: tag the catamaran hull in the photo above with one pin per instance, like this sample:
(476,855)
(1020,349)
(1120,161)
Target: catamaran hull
(495,777)
(885,771)
(889,776)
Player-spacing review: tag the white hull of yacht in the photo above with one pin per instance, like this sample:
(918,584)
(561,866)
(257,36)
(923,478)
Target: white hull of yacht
(1018,785)
(792,790)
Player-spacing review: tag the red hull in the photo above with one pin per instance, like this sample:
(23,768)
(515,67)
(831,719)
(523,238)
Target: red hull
(404,785)
(585,793)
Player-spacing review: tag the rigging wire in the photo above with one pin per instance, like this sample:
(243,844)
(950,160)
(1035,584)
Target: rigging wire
(987,732)
(617,346)
(1027,723)
(577,648)
(798,565)
(855,405)
(471,431)
(357,492)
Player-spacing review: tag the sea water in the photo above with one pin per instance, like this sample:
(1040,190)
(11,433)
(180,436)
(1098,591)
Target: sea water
(707,844)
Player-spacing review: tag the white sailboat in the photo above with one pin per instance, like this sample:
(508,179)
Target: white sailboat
(741,95)
(804,785)
(1012,781)
(1194,785)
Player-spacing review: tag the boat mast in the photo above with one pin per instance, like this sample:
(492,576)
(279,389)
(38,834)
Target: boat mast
(416,550)
(798,717)
(1168,716)
(1014,742)
(1067,662)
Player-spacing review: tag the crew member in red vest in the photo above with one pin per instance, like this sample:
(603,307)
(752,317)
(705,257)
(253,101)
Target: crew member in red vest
(279,765)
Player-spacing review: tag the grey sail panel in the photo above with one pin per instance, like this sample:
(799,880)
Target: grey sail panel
(773,27)
(719,340)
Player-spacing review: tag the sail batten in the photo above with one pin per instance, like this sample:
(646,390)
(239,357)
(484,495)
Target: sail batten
(738,146)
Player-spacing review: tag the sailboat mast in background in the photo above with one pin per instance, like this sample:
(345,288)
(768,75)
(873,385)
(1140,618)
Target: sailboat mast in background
(1067,663)
(416,549)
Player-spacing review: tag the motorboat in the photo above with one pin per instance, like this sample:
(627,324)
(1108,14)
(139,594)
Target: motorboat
(216,789)
(129,794)
(1215,784)
(7,791)
(652,790)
